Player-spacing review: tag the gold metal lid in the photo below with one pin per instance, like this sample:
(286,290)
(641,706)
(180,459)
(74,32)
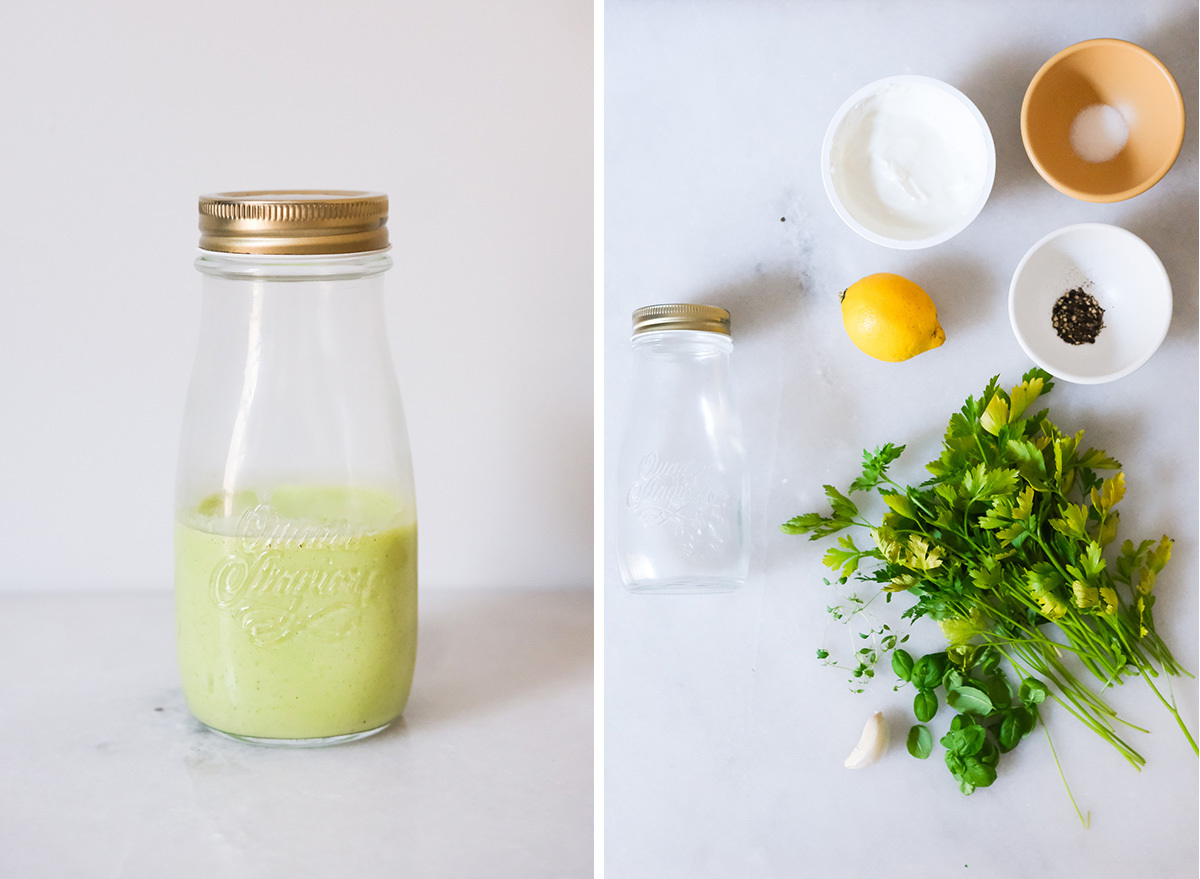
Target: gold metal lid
(681,316)
(294,222)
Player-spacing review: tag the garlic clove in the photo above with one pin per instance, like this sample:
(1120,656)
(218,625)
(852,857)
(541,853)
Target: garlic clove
(871,744)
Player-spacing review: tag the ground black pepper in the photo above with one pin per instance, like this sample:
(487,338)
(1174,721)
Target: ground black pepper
(1077,317)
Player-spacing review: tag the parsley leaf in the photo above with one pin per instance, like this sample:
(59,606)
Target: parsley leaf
(1011,546)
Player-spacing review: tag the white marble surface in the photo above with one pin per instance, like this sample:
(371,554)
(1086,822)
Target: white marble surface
(724,738)
(105,774)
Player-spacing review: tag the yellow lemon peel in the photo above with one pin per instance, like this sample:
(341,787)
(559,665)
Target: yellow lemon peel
(890,318)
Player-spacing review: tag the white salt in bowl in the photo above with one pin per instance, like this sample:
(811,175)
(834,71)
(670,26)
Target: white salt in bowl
(1123,275)
(908,162)
(1103,120)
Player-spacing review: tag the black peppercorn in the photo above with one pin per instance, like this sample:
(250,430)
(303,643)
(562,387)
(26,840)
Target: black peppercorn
(1077,317)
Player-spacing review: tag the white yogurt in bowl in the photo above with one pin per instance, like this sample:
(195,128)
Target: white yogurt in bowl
(908,161)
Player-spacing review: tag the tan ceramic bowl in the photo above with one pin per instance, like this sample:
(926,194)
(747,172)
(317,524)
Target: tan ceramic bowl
(1090,76)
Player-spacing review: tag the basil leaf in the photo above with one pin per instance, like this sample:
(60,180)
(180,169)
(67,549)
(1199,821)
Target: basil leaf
(925,705)
(969,700)
(920,742)
(1032,691)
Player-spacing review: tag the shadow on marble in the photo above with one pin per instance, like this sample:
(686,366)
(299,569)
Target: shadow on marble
(483,652)
(760,303)
(1166,225)
(964,290)
(997,87)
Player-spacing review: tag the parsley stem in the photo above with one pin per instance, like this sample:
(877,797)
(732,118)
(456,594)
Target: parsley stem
(1068,698)
(1003,547)
(1169,704)
(982,451)
(1087,823)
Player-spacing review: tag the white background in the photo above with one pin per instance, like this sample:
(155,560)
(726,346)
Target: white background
(724,735)
(475,117)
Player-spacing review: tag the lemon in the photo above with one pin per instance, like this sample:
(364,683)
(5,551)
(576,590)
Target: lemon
(890,317)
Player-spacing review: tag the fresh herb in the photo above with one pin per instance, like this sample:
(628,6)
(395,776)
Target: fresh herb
(989,721)
(1011,547)
(871,639)
(920,742)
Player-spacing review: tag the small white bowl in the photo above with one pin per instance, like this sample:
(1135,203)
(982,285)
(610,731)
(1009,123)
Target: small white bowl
(1123,275)
(908,161)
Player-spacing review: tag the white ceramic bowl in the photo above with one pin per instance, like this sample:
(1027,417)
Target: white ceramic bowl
(1123,275)
(908,161)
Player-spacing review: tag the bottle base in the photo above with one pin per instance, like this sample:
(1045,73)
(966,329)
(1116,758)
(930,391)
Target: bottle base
(318,742)
(684,586)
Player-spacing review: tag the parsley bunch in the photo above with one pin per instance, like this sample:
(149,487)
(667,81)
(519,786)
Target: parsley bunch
(1012,538)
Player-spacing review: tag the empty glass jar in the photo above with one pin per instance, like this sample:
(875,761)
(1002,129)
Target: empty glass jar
(682,493)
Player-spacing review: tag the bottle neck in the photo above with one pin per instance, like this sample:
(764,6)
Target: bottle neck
(675,343)
(311,267)
(300,316)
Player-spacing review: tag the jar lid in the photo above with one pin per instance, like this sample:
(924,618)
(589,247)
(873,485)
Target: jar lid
(294,222)
(681,316)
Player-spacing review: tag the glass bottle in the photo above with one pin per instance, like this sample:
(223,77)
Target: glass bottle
(295,535)
(682,493)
